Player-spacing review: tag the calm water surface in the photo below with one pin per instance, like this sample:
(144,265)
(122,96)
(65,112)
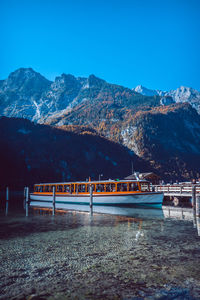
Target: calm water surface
(126,254)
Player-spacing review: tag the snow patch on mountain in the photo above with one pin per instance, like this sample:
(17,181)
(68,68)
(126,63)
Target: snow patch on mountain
(37,113)
(86,85)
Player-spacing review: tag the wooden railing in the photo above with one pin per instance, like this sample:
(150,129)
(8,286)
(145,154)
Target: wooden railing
(178,189)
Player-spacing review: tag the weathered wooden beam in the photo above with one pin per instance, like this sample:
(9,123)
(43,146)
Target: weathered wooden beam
(7,199)
(27,200)
(198,206)
(91,199)
(193,195)
(54,201)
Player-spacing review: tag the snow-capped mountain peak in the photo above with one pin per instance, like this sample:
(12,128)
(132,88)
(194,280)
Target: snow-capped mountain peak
(144,91)
(181,94)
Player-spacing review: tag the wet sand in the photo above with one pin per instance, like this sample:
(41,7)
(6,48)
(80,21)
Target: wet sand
(76,256)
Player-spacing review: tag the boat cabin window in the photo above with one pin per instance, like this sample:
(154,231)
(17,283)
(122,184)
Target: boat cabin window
(59,188)
(37,189)
(93,188)
(107,187)
(144,186)
(133,186)
(100,188)
(82,188)
(67,188)
(72,188)
(51,188)
(122,187)
(41,188)
(113,187)
(46,188)
(119,187)
(110,187)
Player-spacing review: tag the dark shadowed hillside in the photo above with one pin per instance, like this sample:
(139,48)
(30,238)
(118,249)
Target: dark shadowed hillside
(39,153)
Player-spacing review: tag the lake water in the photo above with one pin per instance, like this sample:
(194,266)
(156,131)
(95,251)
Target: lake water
(117,253)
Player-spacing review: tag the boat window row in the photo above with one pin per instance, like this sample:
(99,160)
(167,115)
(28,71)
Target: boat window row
(98,187)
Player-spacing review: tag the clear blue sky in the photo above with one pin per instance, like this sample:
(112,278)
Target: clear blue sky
(155,43)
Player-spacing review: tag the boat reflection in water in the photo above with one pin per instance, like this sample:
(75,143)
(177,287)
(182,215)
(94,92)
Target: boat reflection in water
(137,213)
(131,215)
(129,211)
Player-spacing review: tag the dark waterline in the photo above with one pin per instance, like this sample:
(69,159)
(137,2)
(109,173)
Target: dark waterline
(151,254)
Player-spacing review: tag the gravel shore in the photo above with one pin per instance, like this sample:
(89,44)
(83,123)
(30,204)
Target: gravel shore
(76,256)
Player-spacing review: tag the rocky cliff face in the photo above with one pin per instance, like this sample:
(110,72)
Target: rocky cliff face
(29,95)
(168,138)
(21,93)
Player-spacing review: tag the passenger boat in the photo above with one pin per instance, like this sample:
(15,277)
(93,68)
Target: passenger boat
(108,192)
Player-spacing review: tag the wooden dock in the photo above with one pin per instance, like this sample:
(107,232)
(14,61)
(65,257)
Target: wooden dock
(180,192)
(182,189)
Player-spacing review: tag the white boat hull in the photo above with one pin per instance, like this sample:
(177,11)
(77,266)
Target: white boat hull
(128,199)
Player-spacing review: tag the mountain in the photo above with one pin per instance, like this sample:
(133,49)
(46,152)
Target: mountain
(27,94)
(180,95)
(32,153)
(159,128)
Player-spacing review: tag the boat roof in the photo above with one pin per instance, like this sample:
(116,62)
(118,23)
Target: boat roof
(96,181)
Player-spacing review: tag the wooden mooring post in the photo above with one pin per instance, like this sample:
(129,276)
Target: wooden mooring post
(193,195)
(194,217)
(24,203)
(91,200)
(197,206)
(7,199)
(54,201)
(198,225)
(27,200)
